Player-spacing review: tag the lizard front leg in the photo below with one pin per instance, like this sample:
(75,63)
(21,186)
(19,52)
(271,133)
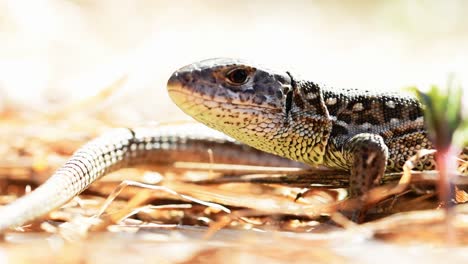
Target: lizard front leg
(368,156)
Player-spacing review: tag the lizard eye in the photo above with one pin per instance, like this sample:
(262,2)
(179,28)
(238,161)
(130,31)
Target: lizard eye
(237,76)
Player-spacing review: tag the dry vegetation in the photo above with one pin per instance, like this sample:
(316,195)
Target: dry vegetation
(221,213)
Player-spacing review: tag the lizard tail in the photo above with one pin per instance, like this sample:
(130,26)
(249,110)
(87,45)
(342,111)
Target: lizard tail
(98,157)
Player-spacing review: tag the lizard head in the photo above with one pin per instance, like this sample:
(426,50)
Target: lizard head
(250,103)
(231,83)
(228,92)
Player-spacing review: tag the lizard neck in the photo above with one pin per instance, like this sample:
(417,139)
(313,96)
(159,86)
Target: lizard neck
(299,132)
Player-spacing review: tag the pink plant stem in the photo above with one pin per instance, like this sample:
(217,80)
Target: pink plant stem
(445,159)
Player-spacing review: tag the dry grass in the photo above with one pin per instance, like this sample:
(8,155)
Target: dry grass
(193,212)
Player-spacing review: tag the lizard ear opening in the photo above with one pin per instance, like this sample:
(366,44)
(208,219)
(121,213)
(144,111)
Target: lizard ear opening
(289,100)
(289,95)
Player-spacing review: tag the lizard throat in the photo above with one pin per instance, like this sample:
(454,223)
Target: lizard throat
(257,126)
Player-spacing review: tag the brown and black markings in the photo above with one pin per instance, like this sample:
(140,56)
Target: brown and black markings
(398,119)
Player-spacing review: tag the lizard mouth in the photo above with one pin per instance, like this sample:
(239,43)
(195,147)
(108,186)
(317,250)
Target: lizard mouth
(183,95)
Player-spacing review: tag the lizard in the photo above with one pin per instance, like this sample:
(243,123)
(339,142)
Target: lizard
(366,133)
(362,132)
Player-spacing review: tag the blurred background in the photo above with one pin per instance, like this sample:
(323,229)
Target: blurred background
(57,52)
